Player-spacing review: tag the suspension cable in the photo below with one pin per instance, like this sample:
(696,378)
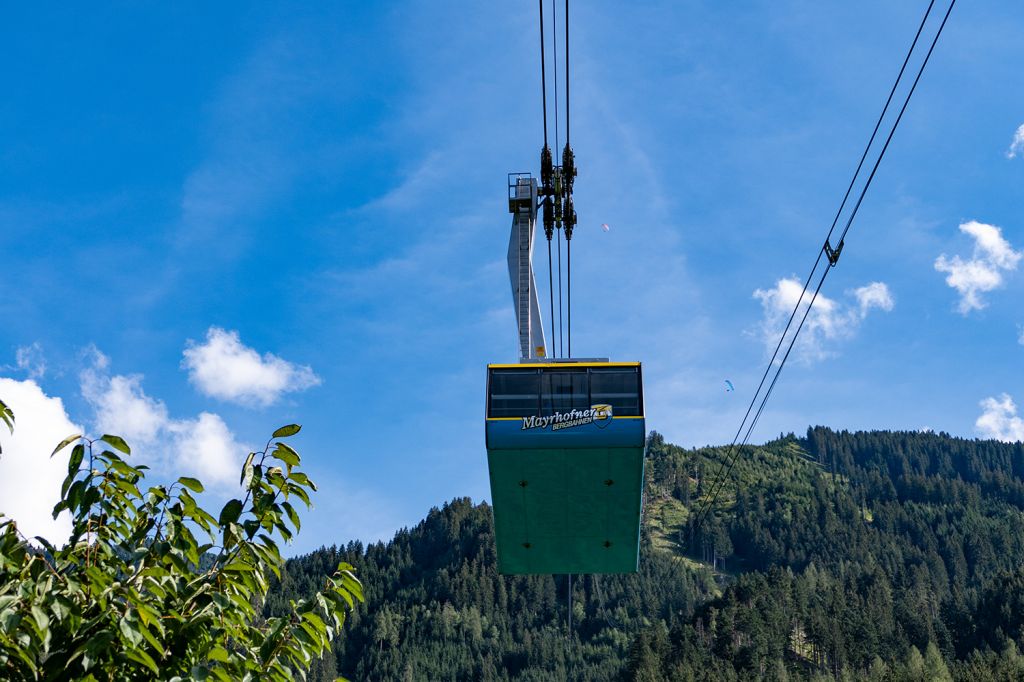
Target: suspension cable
(554,72)
(554,58)
(551,292)
(568,171)
(560,293)
(568,294)
(543,76)
(833,256)
(566,72)
(835,221)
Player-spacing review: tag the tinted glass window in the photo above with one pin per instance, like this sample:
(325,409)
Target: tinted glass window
(618,387)
(563,391)
(514,393)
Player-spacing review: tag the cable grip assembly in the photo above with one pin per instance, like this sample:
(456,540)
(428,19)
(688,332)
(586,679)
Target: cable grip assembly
(833,254)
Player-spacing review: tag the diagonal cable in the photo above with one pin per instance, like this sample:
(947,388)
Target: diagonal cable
(730,459)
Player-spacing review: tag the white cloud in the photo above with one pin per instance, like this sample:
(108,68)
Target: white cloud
(999,419)
(1017,146)
(828,320)
(203,447)
(123,408)
(984,271)
(206,446)
(874,295)
(29,479)
(225,368)
(30,360)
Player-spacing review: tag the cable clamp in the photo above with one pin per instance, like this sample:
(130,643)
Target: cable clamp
(833,254)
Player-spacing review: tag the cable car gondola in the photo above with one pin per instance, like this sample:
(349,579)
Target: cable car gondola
(565,439)
(565,449)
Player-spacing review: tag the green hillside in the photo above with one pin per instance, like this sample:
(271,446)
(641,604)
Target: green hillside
(839,555)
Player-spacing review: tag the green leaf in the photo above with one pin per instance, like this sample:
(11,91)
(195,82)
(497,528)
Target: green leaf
(218,653)
(64,443)
(292,514)
(246,477)
(46,544)
(286,431)
(230,513)
(117,443)
(7,416)
(250,526)
(130,630)
(140,656)
(75,493)
(77,455)
(286,454)
(42,620)
(9,620)
(192,484)
(151,639)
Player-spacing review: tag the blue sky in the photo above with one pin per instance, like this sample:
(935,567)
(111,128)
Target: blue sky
(313,201)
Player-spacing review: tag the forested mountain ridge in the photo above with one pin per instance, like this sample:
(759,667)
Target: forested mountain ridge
(878,555)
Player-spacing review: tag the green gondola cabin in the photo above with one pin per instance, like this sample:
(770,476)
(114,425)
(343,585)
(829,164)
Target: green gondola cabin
(565,450)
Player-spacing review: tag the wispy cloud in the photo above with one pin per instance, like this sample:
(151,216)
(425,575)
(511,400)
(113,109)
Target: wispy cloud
(1017,146)
(225,368)
(28,360)
(999,419)
(253,155)
(829,321)
(203,446)
(983,272)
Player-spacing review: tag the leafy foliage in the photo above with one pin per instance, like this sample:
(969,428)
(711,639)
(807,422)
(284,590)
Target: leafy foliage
(7,417)
(151,586)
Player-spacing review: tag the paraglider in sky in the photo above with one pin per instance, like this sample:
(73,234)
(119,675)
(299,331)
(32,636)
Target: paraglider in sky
(604,226)
(729,387)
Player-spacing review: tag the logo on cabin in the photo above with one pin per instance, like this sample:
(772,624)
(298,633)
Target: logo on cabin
(567,420)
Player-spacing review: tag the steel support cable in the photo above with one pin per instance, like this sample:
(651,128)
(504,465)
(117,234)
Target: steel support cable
(566,72)
(554,71)
(560,293)
(547,199)
(732,460)
(792,343)
(853,215)
(903,109)
(543,76)
(821,282)
(568,297)
(732,454)
(568,183)
(835,221)
(551,291)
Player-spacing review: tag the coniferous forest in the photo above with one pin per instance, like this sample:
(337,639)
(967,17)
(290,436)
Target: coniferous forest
(868,555)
